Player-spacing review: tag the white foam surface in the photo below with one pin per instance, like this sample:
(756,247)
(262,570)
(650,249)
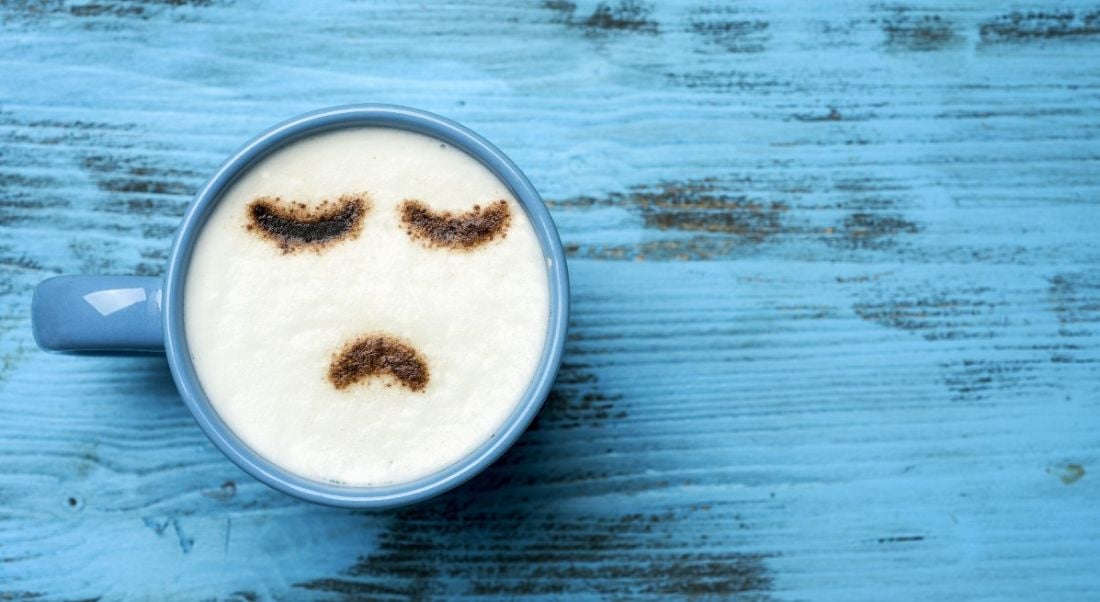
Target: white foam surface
(262,326)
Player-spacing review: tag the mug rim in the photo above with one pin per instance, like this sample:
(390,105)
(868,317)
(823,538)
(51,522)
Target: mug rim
(315,122)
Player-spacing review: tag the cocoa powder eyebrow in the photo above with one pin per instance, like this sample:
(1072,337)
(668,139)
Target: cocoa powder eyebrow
(462,232)
(293,226)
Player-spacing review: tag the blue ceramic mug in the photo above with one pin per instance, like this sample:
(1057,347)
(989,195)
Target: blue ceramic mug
(121,314)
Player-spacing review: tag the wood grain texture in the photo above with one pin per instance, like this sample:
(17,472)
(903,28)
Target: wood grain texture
(837,298)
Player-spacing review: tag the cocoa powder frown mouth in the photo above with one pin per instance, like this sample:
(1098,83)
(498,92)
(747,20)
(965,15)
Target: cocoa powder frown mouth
(381,356)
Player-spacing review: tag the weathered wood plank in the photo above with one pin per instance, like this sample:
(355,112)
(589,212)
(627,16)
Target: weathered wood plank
(837,298)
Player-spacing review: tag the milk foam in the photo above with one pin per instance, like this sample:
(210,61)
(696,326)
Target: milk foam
(262,325)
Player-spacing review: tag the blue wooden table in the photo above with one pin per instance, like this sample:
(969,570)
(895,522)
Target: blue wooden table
(837,298)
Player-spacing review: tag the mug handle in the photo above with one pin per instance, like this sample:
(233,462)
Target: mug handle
(98,314)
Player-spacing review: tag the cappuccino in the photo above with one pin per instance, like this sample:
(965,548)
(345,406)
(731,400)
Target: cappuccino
(366,306)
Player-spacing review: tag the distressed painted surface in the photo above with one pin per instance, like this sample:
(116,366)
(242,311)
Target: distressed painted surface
(837,312)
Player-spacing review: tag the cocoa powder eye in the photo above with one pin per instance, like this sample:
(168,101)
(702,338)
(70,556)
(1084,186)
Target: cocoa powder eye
(462,231)
(293,226)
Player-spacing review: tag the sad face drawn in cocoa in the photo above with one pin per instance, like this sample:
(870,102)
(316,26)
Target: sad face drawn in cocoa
(294,226)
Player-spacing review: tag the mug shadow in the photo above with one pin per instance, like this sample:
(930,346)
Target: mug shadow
(556,516)
(531,473)
(552,516)
(154,378)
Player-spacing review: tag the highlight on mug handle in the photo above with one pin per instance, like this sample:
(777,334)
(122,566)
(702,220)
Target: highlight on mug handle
(90,314)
